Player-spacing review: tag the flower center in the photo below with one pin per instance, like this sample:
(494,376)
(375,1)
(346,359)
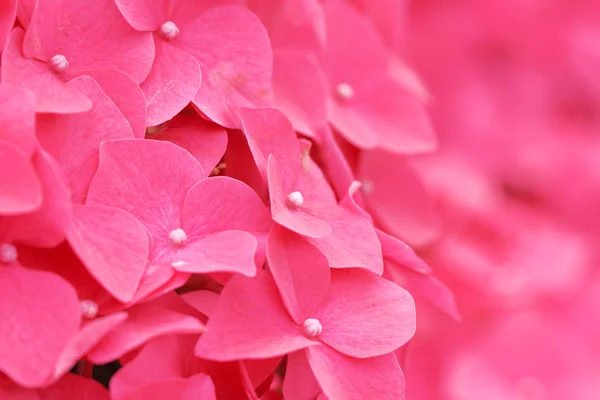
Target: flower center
(344,91)
(8,253)
(295,199)
(58,63)
(177,237)
(169,30)
(89,309)
(177,264)
(367,187)
(312,327)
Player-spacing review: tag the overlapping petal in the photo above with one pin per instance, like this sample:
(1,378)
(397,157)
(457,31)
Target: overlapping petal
(366,315)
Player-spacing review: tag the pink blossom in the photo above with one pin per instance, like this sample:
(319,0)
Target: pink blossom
(265,329)
(165,202)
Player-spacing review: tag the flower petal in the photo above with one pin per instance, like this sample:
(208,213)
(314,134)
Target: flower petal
(8,15)
(343,377)
(299,382)
(21,190)
(145,15)
(172,83)
(204,140)
(352,242)
(89,335)
(71,386)
(300,271)
(400,253)
(17,117)
(47,226)
(147,178)
(235,56)
(366,315)
(268,131)
(427,286)
(145,321)
(225,204)
(196,387)
(90,36)
(29,300)
(294,219)
(404,209)
(250,321)
(113,246)
(76,148)
(300,91)
(127,96)
(227,251)
(162,358)
(52,95)
(382,114)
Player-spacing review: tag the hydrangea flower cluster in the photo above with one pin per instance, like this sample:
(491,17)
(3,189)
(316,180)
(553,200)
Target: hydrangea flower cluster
(515,94)
(213,194)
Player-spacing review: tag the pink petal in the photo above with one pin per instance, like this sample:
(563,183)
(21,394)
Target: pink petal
(149,15)
(426,285)
(147,178)
(352,242)
(300,91)
(74,387)
(318,195)
(76,149)
(235,55)
(204,140)
(145,322)
(113,246)
(71,386)
(268,131)
(382,114)
(404,209)
(52,95)
(62,261)
(160,359)
(8,15)
(30,300)
(247,376)
(225,204)
(343,377)
(299,382)
(17,117)
(21,190)
(297,24)
(90,36)
(127,96)
(47,226)
(250,321)
(300,272)
(294,219)
(157,281)
(24,11)
(351,200)
(204,301)
(227,251)
(398,252)
(240,164)
(197,387)
(361,325)
(89,335)
(172,83)
(335,166)
(351,61)
(145,15)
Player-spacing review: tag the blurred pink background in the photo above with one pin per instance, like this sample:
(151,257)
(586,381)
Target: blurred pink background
(514,90)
